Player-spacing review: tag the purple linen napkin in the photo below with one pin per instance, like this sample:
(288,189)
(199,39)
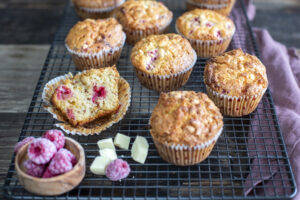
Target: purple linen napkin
(283,70)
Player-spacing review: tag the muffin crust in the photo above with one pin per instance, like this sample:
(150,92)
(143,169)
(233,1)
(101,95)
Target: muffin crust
(141,15)
(185,118)
(163,54)
(97,3)
(200,24)
(93,36)
(236,73)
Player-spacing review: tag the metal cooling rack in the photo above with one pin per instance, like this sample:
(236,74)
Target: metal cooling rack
(221,176)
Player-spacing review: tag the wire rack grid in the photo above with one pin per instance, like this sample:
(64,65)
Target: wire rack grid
(221,176)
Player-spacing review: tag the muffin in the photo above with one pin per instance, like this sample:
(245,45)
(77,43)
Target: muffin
(185,126)
(143,18)
(163,62)
(95,9)
(95,43)
(221,6)
(236,82)
(208,31)
(87,96)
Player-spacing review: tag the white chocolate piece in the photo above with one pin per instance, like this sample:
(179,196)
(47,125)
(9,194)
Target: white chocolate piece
(106,144)
(99,165)
(122,141)
(139,150)
(109,153)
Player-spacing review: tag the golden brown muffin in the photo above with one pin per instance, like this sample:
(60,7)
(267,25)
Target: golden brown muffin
(185,119)
(221,6)
(88,96)
(95,43)
(208,31)
(168,58)
(142,18)
(205,25)
(162,54)
(93,36)
(95,9)
(236,77)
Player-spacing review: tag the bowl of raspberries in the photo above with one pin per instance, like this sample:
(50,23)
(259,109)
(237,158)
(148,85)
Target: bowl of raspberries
(50,165)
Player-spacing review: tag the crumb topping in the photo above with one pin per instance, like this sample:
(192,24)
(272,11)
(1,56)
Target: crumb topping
(93,36)
(140,15)
(200,24)
(162,54)
(185,118)
(236,73)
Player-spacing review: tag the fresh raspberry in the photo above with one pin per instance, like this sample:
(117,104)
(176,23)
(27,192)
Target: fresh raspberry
(20,144)
(41,151)
(63,92)
(47,174)
(98,93)
(55,136)
(61,163)
(117,170)
(33,169)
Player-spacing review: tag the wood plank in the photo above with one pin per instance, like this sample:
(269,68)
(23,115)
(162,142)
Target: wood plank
(20,68)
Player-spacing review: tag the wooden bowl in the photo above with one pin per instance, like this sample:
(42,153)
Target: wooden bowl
(58,184)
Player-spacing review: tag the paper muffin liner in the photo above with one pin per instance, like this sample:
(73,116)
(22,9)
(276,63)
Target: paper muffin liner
(235,106)
(209,48)
(85,61)
(96,13)
(94,127)
(134,36)
(184,155)
(163,83)
(223,7)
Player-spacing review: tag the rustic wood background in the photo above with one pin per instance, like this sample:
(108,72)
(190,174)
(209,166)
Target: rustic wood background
(27,28)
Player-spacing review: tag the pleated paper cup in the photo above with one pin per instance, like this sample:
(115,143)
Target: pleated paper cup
(164,83)
(209,48)
(94,127)
(184,155)
(95,13)
(222,7)
(235,106)
(133,36)
(85,61)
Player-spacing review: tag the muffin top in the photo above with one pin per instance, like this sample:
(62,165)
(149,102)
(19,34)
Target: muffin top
(236,73)
(200,24)
(212,2)
(140,15)
(163,54)
(97,3)
(93,36)
(185,118)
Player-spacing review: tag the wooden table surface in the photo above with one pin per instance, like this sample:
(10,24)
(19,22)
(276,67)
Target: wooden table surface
(25,40)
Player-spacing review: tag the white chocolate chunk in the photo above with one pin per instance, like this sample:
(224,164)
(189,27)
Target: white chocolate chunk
(106,144)
(122,141)
(109,153)
(99,165)
(139,150)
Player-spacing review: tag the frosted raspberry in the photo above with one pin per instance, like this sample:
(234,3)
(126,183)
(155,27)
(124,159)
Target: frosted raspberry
(209,24)
(61,163)
(33,169)
(55,136)
(69,155)
(41,151)
(20,144)
(63,92)
(47,174)
(98,93)
(117,170)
